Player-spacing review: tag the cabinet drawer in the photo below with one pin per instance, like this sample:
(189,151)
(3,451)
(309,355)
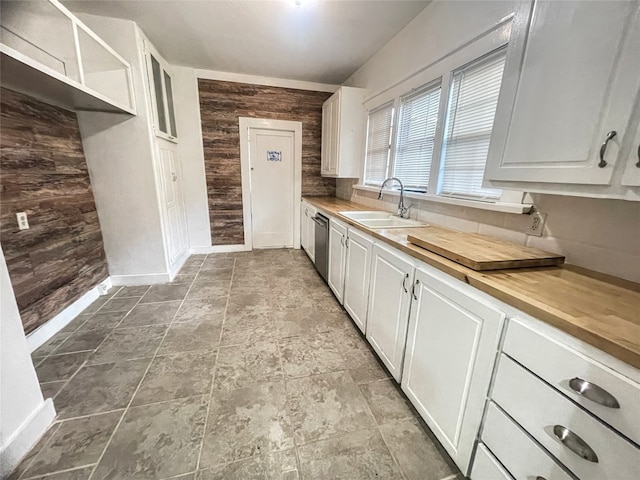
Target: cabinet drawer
(543,412)
(563,367)
(486,467)
(516,450)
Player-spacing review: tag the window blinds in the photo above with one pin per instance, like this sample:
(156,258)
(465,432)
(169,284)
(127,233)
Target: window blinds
(416,136)
(472,107)
(378,141)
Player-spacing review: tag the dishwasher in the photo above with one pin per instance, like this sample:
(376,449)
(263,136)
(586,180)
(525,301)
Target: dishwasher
(322,245)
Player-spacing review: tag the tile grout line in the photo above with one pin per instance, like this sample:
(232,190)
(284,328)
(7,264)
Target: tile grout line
(28,466)
(104,450)
(48,474)
(215,367)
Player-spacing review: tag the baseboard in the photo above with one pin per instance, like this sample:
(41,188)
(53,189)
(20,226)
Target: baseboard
(179,264)
(219,249)
(44,332)
(145,279)
(19,444)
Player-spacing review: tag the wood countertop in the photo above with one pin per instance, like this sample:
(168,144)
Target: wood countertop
(600,310)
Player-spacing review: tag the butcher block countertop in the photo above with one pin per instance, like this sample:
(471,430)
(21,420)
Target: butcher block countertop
(601,310)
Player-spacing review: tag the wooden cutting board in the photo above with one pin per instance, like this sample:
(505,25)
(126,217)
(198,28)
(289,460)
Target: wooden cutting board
(481,252)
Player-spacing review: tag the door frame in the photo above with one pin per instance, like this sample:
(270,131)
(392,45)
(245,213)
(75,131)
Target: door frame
(245,125)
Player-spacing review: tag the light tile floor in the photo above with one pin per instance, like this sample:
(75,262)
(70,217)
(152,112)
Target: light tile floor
(244,368)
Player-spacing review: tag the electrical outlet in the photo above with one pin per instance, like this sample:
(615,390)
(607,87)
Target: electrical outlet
(23,223)
(536,224)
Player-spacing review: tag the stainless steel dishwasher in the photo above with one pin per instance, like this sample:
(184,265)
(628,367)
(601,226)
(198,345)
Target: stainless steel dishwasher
(322,245)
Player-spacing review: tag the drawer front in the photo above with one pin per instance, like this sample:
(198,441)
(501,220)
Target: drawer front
(517,451)
(486,467)
(544,413)
(568,370)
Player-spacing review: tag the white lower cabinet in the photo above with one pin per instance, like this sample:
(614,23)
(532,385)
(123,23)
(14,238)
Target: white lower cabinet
(356,277)
(308,230)
(337,255)
(451,348)
(389,302)
(487,467)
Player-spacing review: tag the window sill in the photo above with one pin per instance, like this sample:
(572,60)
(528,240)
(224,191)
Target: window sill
(517,208)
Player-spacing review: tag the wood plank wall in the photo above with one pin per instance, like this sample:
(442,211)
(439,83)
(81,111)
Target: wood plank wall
(221,103)
(44,173)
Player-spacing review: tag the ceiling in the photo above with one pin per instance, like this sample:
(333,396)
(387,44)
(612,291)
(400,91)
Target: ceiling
(320,41)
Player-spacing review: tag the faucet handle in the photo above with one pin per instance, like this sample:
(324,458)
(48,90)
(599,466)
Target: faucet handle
(402,211)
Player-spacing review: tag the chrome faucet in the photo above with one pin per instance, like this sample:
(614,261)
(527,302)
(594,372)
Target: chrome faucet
(402,211)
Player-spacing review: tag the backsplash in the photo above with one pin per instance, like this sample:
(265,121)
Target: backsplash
(44,173)
(598,234)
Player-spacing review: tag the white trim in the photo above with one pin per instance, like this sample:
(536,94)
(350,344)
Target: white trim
(246,124)
(142,279)
(23,439)
(44,332)
(517,208)
(266,81)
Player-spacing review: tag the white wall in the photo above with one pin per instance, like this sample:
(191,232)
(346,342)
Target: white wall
(602,235)
(191,152)
(119,154)
(24,413)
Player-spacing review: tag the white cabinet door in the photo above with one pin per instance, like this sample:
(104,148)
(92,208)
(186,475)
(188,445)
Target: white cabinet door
(307,229)
(337,252)
(451,349)
(357,276)
(631,175)
(389,302)
(571,77)
(328,137)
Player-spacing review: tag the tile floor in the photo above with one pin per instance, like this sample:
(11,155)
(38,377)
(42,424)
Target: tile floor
(243,368)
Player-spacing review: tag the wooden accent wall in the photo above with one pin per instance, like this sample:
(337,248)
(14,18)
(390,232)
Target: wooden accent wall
(221,103)
(44,173)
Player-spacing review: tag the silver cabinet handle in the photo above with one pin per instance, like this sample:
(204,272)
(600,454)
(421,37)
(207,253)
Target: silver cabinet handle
(342,240)
(593,392)
(403,283)
(638,164)
(347,242)
(540,478)
(574,443)
(603,148)
(413,289)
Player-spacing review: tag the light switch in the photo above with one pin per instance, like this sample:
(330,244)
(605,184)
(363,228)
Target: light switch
(23,223)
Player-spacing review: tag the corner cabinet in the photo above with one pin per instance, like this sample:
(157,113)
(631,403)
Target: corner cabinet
(342,133)
(572,78)
(451,348)
(49,54)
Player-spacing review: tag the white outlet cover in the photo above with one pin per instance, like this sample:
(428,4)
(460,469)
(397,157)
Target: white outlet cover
(23,222)
(536,224)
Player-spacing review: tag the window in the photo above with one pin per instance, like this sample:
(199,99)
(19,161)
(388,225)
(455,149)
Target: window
(472,107)
(378,144)
(416,137)
(160,84)
(440,147)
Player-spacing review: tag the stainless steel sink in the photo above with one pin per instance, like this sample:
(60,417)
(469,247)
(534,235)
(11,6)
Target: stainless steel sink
(381,220)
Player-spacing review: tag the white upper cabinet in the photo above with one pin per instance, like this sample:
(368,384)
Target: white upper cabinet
(47,53)
(572,79)
(631,176)
(342,130)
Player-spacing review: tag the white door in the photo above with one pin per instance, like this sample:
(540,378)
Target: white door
(337,252)
(571,79)
(357,276)
(271,163)
(389,302)
(451,348)
(176,228)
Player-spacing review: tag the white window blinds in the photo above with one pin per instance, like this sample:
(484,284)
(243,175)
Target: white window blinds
(416,136)
(378,141)
(472,107)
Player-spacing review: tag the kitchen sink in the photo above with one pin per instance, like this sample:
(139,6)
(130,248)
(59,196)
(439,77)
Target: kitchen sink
(381,220)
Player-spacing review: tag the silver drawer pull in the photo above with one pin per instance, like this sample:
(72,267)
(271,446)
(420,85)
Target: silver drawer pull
(574,443)
(540,478)
(593,392)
